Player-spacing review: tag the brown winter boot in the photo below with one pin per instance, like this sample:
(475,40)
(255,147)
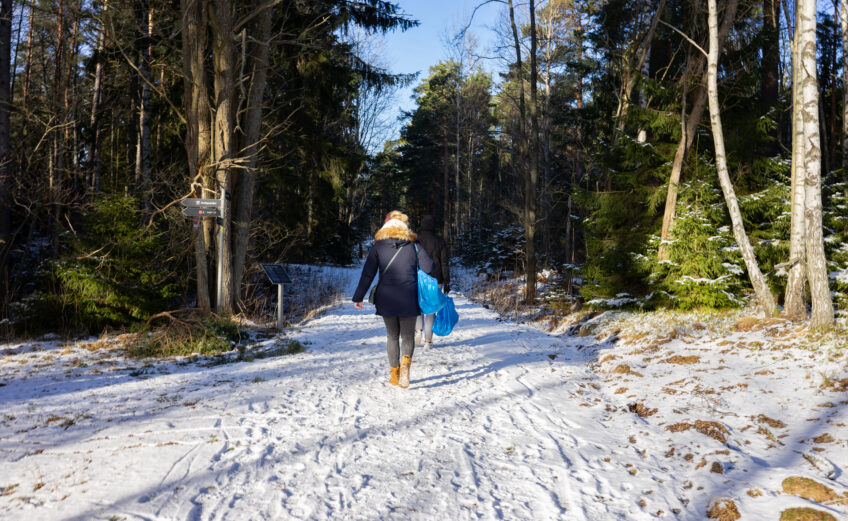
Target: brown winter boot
(393,379)
(405,362)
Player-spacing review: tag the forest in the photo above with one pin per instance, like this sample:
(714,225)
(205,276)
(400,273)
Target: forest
(640,245)
(657,154)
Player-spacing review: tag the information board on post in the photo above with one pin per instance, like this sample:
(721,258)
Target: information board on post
(278,275)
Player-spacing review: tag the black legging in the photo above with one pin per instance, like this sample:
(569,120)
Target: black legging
(403,328)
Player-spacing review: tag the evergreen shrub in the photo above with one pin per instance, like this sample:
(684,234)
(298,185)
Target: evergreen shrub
(493,249)
(112,275)
(836,239)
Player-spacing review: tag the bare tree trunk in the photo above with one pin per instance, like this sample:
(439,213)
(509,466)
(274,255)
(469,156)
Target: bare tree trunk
(822,305)
(5,101)
(771,64)
(794,305)
(530,196)
(843,9)
(446,187)
(642,135)
(757,280)
(97,96)
(250,145)
(546,145)
(142,157)
(224,67)
(518,161)
(197,126)
(690,127)
(57,171)
(456,223)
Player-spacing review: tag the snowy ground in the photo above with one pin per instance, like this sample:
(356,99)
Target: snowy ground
(502,421)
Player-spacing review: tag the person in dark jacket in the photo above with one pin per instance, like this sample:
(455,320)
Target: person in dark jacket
(396,295)
(437,249)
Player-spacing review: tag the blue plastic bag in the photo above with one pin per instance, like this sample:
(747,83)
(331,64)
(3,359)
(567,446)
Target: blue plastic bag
(446,318)
(430,298)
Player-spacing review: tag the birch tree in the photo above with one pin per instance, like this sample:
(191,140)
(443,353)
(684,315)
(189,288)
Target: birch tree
(761,288)
(816,266)
(794,305)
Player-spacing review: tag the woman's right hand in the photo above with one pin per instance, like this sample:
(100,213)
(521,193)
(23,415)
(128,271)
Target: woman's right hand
(358,305)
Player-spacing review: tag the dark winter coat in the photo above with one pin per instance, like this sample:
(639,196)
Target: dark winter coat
(397,289)
(436,248)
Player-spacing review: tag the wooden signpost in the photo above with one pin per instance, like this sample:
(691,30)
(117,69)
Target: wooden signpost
(211,208)
(277,275)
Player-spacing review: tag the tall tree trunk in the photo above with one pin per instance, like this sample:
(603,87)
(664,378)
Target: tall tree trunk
(794,305)
(67,95)
(197,127)
(5,99)
(96,98)
(757,280)
(546,144)
(456,224)
(250,144)
(446,186)
(822,305)
(690,127)
(224,67)
(57,170)
(518,161)
(843,9)
(530,197)
(142,153)
(771,65)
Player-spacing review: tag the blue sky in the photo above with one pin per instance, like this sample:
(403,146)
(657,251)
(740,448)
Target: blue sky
(417,49)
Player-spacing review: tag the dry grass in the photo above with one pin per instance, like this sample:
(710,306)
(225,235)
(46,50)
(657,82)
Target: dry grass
(682,360)
(625,369)
(714,430)
(813,490)
(640,410)
(824,438)
(723,509)
(771,422)
(679,427)
(805,514)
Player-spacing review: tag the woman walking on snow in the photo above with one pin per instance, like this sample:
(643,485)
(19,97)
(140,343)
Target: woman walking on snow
(396,295)
(436,247)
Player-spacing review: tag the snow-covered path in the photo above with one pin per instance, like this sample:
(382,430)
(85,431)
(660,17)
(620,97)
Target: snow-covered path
(501,422)
(486,430)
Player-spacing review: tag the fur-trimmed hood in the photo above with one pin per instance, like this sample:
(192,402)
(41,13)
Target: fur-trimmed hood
(395,229)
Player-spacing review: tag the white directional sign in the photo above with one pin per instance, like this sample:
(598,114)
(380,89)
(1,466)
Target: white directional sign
(201,203)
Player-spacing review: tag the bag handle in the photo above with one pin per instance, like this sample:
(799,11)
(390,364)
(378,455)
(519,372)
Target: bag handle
(393,259)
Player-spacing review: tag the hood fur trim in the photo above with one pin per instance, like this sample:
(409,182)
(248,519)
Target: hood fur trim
(395,229)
